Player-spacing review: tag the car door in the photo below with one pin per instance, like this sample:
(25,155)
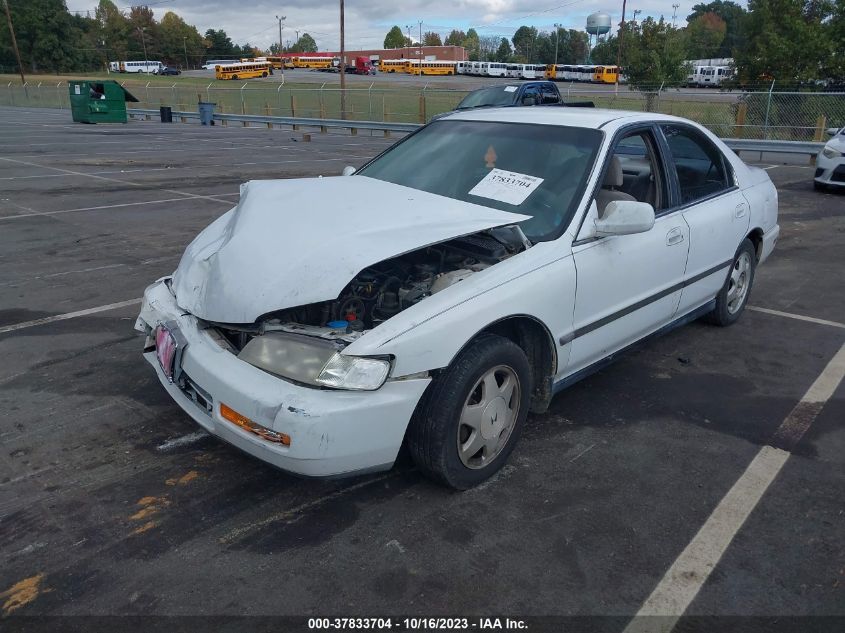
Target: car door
(549,94)
(717,213)
(628,285)
(530,96)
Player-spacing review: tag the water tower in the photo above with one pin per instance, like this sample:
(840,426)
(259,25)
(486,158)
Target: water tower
(598,24)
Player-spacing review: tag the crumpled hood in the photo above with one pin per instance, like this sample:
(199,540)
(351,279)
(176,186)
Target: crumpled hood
(293,242)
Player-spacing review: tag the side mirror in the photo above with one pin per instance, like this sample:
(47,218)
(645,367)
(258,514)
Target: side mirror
(831,131)
(624,217)
(348,171)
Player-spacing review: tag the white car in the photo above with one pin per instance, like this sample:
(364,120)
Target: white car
(453,284)
(830,162)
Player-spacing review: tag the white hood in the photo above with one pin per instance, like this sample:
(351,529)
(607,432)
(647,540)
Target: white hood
(837,142)
(293,242)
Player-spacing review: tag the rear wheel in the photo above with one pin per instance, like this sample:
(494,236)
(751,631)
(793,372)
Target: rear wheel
(733,297)
(264,74)
(470,417)
(234,77)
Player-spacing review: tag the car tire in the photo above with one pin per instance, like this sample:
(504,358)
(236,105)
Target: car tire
(733,297)
(479,404)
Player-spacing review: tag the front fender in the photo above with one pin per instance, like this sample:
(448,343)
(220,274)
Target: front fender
(420,341)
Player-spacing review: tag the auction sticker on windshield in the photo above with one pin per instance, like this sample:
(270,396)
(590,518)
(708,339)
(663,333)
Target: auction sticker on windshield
(506,186)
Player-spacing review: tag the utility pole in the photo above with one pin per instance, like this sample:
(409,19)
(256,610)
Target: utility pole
(281,47)
(636,13)
(674,13)
(185,46)
(619,46)
(421,50)
(557,40)
(408,28)
(14,43)
(297,37)
(143,43)
(342,64)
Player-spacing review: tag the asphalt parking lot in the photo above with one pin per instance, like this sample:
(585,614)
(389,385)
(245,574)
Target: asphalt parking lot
(113,502)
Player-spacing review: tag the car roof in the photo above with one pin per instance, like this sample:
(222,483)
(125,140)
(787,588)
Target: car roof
(574,117)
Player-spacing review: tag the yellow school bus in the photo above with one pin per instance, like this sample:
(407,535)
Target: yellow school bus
(277,61)
(244,70)
(605,74)
(309,61)
(415,67)
(393,65)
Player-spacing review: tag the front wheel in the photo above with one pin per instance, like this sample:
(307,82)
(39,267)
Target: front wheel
(470,417)
(733,297)
(234,77)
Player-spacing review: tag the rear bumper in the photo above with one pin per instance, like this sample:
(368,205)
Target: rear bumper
(332,432)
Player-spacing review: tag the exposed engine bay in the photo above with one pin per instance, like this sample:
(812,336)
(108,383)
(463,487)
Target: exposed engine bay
(381,291)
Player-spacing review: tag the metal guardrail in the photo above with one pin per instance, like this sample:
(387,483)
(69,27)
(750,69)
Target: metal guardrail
(294,121)
(736,144)
(774,147)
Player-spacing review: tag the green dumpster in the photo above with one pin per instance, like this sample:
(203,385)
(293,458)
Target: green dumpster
(98,101)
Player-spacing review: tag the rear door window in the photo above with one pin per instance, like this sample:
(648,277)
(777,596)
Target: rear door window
(700,167)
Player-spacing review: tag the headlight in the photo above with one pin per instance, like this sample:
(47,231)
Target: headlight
(354,372)
(295,357)
(313,362)
(829,152)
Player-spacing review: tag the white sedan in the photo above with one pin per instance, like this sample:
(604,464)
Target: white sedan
(830,162)
(453,284)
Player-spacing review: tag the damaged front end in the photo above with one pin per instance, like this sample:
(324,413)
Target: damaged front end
(304,344)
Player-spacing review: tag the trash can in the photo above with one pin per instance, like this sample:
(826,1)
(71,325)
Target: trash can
(206,112)
(166,114)
(98,101)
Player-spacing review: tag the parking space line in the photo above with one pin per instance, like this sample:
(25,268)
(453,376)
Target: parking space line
(117,180)
(687,575)
(799,317)
(69,315)
(109,206)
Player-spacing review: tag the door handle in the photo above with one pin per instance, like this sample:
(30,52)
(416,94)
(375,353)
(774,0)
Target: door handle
(675,236)
(740,210)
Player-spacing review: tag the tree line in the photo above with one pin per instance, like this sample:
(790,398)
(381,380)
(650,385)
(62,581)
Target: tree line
(792,41)
(51,39)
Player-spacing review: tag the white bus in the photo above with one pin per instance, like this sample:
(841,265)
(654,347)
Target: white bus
(713,76)
(140,67)
(584,73)
(565,72)
(211,64)
(496,69)
(463,68)
(531,71)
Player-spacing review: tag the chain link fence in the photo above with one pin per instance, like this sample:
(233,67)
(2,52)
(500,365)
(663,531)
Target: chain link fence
(798,116)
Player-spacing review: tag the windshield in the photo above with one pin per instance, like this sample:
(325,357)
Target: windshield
(535,170)
(500,95)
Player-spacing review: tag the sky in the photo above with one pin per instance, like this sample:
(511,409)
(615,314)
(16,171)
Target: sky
(367,21)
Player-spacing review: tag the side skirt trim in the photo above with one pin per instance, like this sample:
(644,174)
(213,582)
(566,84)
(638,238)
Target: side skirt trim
(604,362)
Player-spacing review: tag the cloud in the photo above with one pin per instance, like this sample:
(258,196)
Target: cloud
(367,21)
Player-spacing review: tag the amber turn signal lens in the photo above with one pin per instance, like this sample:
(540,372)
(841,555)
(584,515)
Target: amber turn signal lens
(229,414)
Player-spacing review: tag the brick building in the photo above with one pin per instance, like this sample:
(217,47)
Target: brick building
(443,53)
